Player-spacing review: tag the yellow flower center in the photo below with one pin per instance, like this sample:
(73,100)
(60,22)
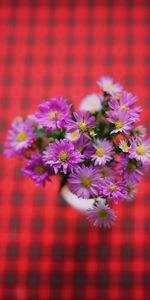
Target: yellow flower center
(104,173)
(39,169)
(113,188)
(100,152)
(138,132)
(117,97)
(63,156)
(122,107)
(140,150)
(129,189)
(21,136)
(82,126)
(92,133)
(80,148)
(74,135)
(51,140)
(102,213)
(93,106)
(54,114)
(118,124)
(125,147)
(109,86)
(86,181)
(131,167)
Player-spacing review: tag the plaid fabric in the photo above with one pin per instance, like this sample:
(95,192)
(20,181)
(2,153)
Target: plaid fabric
(47,249)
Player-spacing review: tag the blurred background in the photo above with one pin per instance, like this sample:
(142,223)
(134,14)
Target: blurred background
(47,249)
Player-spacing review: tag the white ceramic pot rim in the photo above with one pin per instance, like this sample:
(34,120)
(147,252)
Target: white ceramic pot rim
(78,203)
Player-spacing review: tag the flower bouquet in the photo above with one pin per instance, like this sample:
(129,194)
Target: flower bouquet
(99,151)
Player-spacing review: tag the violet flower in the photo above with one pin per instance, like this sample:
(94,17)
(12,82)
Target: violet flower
(113,190)
(103,152)
(36,169)
(130,171)
(20,137)
(83,122)
(121,120)
(85,146)
(131,190)
(62,156)
(107,84)
(101,215)
(123,145)
(53,113)
(126,102)
(140,150)
(84,182)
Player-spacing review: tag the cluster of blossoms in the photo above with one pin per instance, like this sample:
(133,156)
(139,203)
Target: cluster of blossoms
(100,151)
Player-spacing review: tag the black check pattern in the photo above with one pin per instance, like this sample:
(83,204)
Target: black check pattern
(48,251)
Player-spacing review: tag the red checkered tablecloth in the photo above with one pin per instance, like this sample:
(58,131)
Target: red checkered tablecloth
(48,251)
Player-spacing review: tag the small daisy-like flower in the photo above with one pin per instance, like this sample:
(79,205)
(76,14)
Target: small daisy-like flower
(108,85)
(103,152)
(36,169)
(106,172)
(53,113)
(121,120)
(140,150)
(127,100)
(83,122)
(101,215)
(123,145)
(139,131)
(126,103)
(85,146)
(113,190)
(62,155)
(131,190)
(20,137)
(84,182)
(73,136)
(91,103)
(130,171)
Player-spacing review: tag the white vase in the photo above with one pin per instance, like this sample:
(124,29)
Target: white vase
(78,203)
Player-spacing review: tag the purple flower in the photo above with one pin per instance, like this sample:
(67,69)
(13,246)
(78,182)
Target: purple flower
(140,150)
(85,146)
(123,145)
(72,136)
(62,155)
(139,131)
(91,103)
(131,190)
(108,85)
(121,120)
(83,122)
(130,171)
(36,169)
(20,137)
(113,190)
(101,215)
(126,102)
(106,172)
(53,113)
(84,182)
(103,152)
